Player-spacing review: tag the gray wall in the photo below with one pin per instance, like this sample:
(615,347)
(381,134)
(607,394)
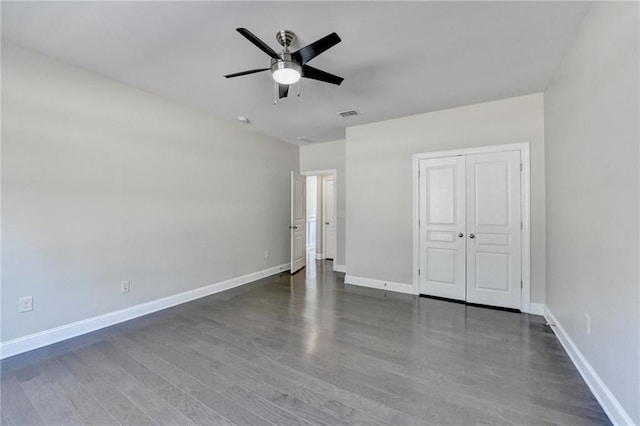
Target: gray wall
(102,183)
(592,160)
(380,189)
(324,156)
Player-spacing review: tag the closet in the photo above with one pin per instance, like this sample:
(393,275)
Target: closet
(470,228)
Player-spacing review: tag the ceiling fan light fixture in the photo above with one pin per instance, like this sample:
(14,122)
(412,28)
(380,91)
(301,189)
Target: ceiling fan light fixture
(286,72)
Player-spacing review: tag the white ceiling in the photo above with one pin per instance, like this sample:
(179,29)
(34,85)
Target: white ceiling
(397,58)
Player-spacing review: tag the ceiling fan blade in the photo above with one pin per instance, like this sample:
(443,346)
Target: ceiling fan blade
(259,43)
(283,90)
(238,74)
(312,50)
(316,74)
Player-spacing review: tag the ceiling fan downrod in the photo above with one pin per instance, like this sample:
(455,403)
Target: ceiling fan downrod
(285,38)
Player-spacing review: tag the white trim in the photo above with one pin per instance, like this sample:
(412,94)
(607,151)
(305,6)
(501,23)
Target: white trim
(320,172)
(523,147)
(339,268)
(57,334)
(379,284)
(319,256)
(536,309)
(611,406)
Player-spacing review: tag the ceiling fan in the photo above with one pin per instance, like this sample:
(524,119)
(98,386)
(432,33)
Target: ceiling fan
(287,67)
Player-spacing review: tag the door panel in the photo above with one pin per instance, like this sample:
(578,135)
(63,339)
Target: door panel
(442,218)
(298,222)
(328,215)
(493,229)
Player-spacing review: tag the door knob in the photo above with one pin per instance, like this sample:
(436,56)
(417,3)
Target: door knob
(293,227)
(460,235)
(326,223)
(472,236)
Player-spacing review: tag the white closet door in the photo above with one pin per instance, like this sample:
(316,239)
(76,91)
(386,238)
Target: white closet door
(442,227)
(494,229)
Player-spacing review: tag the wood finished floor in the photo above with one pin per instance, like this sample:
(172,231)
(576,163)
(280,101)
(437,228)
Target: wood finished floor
(306,349)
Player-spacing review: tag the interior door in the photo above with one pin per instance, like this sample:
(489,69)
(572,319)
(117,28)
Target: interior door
(298,222)
(328,216)
(442,227)
(494,229)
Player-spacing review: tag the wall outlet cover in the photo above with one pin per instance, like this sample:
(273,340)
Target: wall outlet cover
(25,304)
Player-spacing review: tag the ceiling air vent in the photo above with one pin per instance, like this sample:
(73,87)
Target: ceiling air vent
(348,113)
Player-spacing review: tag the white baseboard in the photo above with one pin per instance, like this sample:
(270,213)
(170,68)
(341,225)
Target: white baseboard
(339,268)
(617,414)
(57,334)
(536,308)
(319,256)
(382,285)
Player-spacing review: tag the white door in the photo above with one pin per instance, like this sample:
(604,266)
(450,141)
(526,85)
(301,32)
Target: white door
(311,207)
(328,216)
(494,229)
(470,228)
(442,227)
(298,222)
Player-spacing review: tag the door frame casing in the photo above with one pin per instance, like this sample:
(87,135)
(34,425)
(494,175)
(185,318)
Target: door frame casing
(525,299)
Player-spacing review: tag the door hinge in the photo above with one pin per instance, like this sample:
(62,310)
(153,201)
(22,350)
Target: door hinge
(520,283)
(521,226)
(418,272)
(419,223)
(418,173)
(520,166)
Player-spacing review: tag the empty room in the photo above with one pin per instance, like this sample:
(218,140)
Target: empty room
(320,213)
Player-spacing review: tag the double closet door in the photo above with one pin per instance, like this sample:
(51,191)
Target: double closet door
(470,228)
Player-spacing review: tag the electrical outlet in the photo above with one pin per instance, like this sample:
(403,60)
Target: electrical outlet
(587,324)
(266,254)
(124,286)
(26,304)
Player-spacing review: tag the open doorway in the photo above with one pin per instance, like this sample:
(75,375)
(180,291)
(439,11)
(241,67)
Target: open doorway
(321,216)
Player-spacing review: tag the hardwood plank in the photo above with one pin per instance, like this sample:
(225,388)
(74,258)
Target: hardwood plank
(154,378)
(144,398)
(212,374)
(85,406)
(249,351)
(17,409)
(586,412)
(495,386)
(374,389)
(118,405)
(89,410)
(50,402)
(212,348)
